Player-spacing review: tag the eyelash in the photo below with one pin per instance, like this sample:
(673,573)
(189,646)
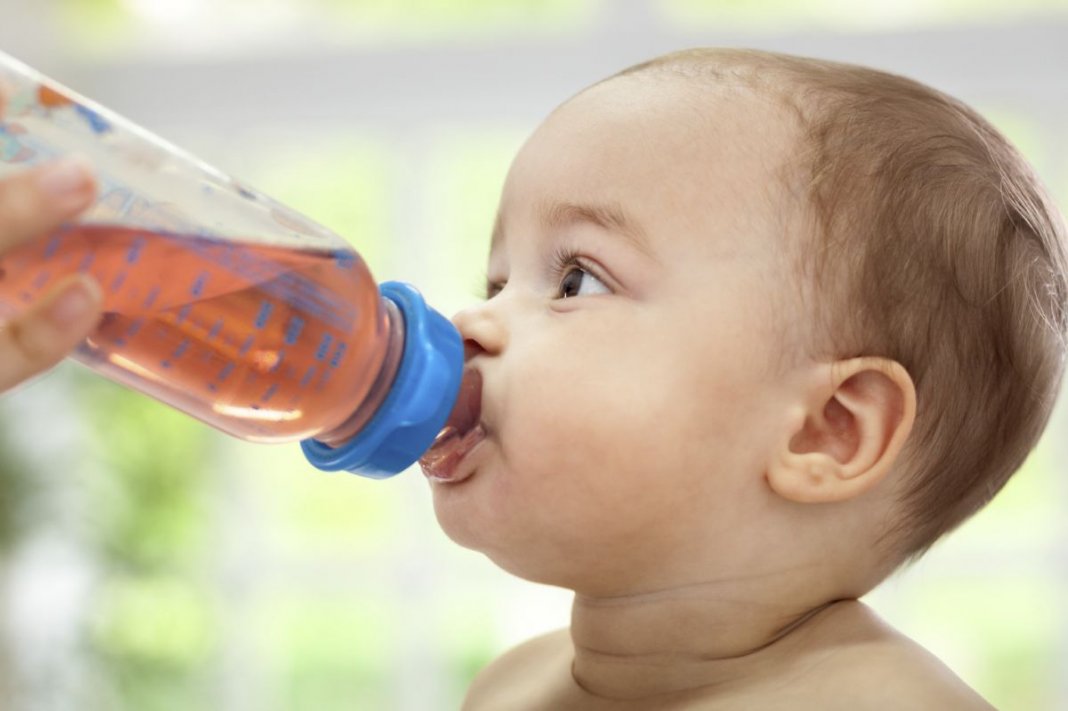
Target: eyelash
(562,260)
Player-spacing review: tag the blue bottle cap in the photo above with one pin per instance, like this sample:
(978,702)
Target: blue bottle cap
(423,394)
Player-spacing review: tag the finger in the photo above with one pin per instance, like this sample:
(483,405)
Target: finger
(39,200)
(44,334)
(6,90)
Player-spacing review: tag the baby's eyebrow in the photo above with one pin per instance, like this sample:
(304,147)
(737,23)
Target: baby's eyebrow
(610,216)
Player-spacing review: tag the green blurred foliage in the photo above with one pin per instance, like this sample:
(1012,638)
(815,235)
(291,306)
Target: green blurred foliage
(106,21)
(106,25)
(842,14)
(151,512)
(323,650)
(100,8)
(16,491)
(464,636)
(316,515)
(160,623)
(152,624)
(461,15)
(340,179)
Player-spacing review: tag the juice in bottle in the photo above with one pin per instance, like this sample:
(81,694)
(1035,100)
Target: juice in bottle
(224,303)
(266,343)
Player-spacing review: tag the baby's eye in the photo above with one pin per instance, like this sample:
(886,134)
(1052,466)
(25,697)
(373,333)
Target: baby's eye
(578,281)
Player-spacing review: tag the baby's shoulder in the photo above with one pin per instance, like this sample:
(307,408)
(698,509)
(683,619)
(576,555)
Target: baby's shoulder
(901,675)
(520,676)
(869,665)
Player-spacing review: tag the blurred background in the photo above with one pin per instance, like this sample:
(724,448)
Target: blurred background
(150,563)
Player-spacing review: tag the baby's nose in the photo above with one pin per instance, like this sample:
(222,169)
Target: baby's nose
(472,349)
(482,330)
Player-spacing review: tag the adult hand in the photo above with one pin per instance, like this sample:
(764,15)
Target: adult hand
(32,204)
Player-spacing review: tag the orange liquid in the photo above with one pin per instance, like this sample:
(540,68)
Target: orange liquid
(269,344)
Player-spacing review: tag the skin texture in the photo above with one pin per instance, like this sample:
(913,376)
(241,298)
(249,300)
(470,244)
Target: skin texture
(658,441)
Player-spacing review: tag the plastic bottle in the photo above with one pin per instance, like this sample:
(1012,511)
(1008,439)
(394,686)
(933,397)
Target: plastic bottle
(224,303)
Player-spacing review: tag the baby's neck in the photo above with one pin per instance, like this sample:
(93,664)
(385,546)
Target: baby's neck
(671,641)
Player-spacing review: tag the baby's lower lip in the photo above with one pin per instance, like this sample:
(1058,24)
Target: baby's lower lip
(442,462)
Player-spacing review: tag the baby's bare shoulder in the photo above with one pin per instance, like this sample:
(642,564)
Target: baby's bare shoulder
(521,675)
(899,675)
(869,665)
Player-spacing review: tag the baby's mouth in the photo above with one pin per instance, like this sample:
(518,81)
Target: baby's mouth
(462,431)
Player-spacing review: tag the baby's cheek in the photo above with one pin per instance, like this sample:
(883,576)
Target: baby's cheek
(591,447)
(570,419)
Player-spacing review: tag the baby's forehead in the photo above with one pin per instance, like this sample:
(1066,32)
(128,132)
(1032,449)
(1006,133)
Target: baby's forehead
(670,155)
(709,113)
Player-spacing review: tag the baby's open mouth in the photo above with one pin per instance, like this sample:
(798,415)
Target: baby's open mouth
(462,431)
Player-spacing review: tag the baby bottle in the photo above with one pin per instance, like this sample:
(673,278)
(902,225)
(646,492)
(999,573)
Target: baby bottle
(224,303)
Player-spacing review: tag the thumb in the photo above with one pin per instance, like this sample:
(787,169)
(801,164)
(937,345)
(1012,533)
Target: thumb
(43,335)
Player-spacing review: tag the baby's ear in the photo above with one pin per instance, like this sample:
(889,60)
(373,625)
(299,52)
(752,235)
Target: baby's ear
(848,433)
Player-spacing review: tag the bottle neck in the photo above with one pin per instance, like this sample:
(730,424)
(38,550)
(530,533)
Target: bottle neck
(394,323)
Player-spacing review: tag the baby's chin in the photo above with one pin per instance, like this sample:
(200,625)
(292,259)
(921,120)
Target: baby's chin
(522,555)
(459,515)
(480,534)
(458,530)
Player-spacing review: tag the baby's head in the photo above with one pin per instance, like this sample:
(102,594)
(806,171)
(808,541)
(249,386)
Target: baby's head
(751,314)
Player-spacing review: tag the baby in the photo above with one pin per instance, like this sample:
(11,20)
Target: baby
(759,330)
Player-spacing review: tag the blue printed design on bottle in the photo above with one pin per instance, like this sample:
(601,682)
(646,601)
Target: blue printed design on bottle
(12,150)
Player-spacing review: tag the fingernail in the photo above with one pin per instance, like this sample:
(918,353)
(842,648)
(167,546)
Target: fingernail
(65,181)
(74,303)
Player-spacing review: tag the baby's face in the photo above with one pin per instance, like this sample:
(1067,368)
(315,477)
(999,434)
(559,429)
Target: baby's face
(636,308)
